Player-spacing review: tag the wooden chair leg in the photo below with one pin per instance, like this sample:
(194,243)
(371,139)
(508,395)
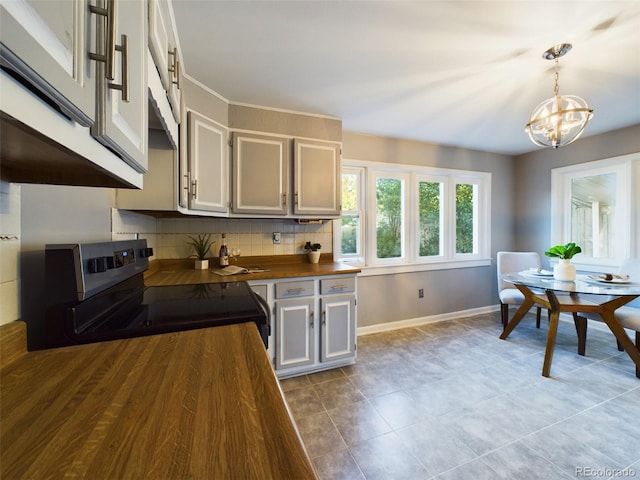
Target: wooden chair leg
(538,310)
(504,310)
(620,348)
(581,331)
(638,347)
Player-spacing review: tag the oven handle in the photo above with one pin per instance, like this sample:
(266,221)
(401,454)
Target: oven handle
(265,305)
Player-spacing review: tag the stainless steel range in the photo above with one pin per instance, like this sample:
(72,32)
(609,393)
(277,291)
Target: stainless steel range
(96,292)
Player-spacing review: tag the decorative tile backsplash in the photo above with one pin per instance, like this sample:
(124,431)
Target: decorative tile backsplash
(169,237)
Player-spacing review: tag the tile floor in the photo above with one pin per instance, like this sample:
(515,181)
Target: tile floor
(451,401)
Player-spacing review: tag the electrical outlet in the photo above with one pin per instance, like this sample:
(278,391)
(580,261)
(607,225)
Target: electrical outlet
(276,238)
(421,293)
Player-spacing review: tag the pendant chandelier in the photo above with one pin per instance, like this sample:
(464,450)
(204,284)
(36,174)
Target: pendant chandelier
(558,120)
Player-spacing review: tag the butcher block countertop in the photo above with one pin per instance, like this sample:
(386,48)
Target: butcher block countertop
(182,272)
(199,404)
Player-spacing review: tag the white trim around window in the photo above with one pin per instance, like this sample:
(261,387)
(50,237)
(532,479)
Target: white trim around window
(624,219)
(408,258)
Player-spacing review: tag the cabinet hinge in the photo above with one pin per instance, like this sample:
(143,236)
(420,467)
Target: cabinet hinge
(230,142)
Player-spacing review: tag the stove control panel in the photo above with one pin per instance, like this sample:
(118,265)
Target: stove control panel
(93,267)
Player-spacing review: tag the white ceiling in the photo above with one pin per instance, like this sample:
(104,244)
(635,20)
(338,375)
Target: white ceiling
(462,73)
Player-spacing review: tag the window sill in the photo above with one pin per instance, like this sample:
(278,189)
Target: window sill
(421,267)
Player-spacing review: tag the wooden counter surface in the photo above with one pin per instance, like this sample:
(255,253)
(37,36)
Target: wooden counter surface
(200,404)
(181,272)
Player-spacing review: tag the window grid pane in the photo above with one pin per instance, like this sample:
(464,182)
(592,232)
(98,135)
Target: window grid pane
(430,196)
(389,222)
(465,218)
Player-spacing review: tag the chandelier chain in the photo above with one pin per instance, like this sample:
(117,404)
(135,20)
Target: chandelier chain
(556,87)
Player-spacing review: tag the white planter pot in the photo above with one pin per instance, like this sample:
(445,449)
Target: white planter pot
(564,271)
(314,257)
(201,264)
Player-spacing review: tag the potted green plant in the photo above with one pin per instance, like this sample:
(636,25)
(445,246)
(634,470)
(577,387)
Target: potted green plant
(201,245)
(563,270)
(313,251)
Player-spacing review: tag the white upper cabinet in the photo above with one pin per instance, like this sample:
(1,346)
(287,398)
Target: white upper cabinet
(260,174)
(317,186)
(208,164)
(47,42)
(163,47)
(121,117)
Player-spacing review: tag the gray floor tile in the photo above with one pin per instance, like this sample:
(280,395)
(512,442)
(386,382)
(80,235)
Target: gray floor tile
(567,453)
(320,435)
(399,409)
(358,422)
(340,391)
(338,465)
(437,448)
(304,402)
(453,401)
(518,461)
(386,457)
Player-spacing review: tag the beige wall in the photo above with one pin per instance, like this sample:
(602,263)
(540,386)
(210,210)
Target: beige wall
(243,117)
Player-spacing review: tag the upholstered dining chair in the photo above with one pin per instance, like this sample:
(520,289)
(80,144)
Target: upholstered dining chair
(628,316)
(514,262)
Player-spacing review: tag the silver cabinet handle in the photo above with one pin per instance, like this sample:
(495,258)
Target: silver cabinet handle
(108,58)
(324,317)
(338,287)
(194,184)
(284,199)
(174,68)
(124,86)
(311,318)
(295,290)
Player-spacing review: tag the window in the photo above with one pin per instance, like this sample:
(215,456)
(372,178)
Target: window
(430,202)
(416,218)
(593,207)
(389,217)
(349,234)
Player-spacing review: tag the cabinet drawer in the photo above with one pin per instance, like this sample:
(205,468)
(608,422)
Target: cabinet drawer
(337,285)
(294,289)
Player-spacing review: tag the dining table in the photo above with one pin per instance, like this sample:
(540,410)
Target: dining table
(586,294)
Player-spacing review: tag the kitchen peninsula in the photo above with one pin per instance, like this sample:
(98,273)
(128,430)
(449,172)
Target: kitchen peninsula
(197,404)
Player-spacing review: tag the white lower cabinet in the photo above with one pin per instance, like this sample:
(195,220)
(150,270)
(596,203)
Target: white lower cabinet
(295,333)
(338,339)
(313,323)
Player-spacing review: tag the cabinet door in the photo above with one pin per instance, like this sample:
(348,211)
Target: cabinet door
(316,178)
(159,40)
(208,177)
(47,43)
(295,331)
(338,330)
(260,174)
(162,45)
(122,125)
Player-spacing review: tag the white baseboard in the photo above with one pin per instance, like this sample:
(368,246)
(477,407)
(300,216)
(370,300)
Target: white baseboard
(443,317)
(414,322)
